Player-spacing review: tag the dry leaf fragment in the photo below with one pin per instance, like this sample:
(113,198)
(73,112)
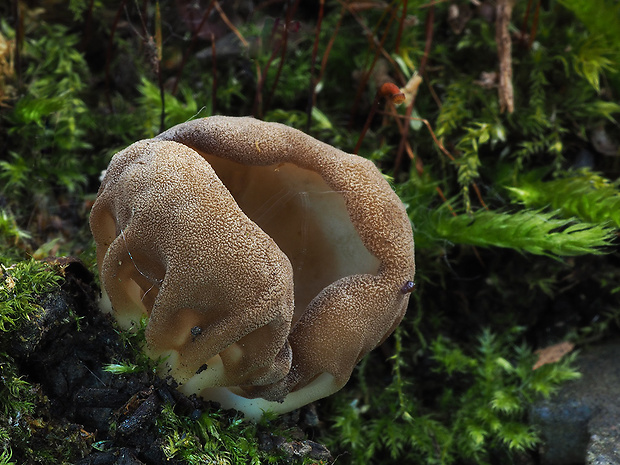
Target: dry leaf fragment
(552,354)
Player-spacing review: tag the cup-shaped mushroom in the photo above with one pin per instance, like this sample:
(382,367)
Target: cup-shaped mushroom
(310,219)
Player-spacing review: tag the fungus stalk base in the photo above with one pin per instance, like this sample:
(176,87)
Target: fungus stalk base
(253,409)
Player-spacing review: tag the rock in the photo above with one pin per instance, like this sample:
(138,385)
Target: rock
(581,424)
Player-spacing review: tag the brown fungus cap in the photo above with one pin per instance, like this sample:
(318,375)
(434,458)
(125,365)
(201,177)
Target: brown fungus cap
(268,209)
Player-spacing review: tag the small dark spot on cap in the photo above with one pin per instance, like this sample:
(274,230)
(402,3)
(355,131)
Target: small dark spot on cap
(196,331)
(408,287)
(202,368)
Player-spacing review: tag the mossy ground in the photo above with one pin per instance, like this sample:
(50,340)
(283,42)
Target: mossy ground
(66,401)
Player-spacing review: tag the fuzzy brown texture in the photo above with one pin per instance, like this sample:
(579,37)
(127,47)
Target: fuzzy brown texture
(172,243)
(172,235)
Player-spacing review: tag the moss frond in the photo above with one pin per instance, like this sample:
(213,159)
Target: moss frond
(16,398)
(582,194)
(213,438)
(601,17)
(10,233)
(530,231)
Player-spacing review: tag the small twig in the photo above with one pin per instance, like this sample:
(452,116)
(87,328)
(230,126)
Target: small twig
(158,57)
(400,27)
(315,50)
(504,52)
(230,25)
(283,47)
(364,80)
(430,19)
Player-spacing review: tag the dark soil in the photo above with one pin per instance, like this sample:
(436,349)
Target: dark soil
(62,352)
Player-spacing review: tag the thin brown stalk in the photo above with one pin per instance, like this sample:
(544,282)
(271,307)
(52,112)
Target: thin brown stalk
(230,25)
(373,42)
(283,48)
(366,76)
(401,24)
(441,148)
(330,44)
(392,94)
(257,109)
(526,17)
(315,51)
(445,200)
(534,26)
(258,98)
(479,195)
(428,32)
(433,3)
(417,162)
(214,73)
(431,89)
(430,19)
(86,33)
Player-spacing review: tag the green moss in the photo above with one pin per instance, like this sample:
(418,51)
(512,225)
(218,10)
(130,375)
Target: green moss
(529,231)
(212,438)
(22,284)
(11,236)
(582,194)
(48,125)
(477,410)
